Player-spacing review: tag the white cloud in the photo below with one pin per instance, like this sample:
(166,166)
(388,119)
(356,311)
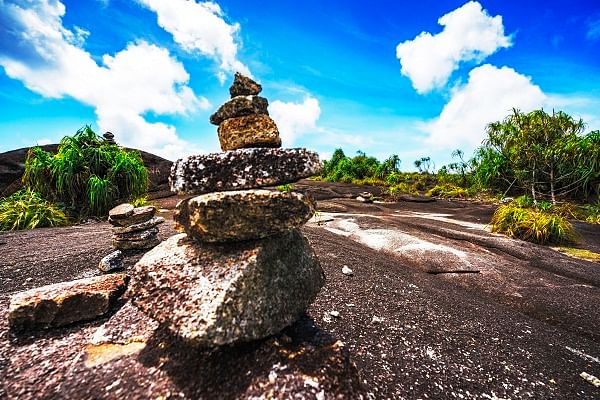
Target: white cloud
(489,95)
(470,34)
(119,89)
(295,119)
(200,27)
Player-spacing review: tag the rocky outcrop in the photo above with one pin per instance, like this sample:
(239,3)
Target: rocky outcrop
(242,215)
(64,303)
(213,295)
(242,169)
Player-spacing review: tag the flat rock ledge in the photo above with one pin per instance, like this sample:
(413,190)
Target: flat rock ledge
(212,295)
(242,215)
(248,131)
(242,169)
(64,303)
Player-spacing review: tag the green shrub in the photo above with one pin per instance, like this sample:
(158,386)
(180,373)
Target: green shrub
(535,226)
(26,209)
(401,188)
(288,187)
(87,174)
(447,191)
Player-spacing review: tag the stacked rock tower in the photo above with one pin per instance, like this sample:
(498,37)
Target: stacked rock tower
(134,227)
(242,270)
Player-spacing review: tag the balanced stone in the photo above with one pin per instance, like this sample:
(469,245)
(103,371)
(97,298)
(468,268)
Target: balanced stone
(121,211)
(151,223)
(213,295)
(242,215)
(137,235)
(136,244)
(66,302)
(248,131)
(244,86)
(138,215)
(242,169)
(240,106)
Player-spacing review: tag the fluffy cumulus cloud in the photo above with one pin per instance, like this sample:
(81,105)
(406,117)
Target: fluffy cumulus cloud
(295,119)
(469,34)
(200,27)
(49,60)
(489,95)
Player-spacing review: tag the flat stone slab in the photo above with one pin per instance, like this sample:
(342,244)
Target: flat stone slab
(212,295)
(154,221)
(248,131)
(242,169)
(242,214)
(137,235)
(65,303)
(136,244)
(137,216)
(121,211)
(240,106)
(244,86)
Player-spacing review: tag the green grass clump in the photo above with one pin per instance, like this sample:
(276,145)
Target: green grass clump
(581,253)
(27,209)
(401,188)
(532,225)
(285,188)
(447,191)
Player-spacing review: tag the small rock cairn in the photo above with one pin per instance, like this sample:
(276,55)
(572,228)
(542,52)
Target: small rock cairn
(134,227)
(241,270)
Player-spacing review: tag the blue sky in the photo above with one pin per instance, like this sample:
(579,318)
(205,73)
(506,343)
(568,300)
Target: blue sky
(385,77)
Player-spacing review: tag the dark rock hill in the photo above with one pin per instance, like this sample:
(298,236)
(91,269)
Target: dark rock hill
(12,165)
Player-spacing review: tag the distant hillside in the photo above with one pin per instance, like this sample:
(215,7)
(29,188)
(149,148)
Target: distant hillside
(12,165)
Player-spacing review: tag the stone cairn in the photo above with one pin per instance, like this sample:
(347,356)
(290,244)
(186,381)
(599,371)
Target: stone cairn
(241,270)
(134,227)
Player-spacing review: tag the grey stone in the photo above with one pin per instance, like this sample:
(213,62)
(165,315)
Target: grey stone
(212,295)
(111,262)
(137,244)
(154,221)
(65,303)
(242,214)
(137,235)
(242,169)
(248,131)
(138,215)
(240,106)
(121,211)
(244,86)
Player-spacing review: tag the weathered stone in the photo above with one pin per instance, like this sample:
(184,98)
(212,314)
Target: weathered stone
(138,227)
(65,303)
(244,86)
(137,235)
(242,215)
(242,169)
(138,215)
(111,262)
(137,244)
(240,106)
(213,295)
(248,131)
(121,211)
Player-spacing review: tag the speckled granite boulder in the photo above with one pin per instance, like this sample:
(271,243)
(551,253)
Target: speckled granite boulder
(242,169)
(242,215)
(211,295)
(248,131)
(243,86)
(65,303)
(240,106)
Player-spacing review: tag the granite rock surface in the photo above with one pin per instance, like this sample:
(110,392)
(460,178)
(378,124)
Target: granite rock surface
(248,131)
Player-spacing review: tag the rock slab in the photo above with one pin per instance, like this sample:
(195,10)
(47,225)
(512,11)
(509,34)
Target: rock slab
(248,131)
(136,216)
(65,303)
(212,295)
(240,106)
(242,214)
(242,169)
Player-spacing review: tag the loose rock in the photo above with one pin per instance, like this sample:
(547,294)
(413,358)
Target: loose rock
(347,271)
(213,295)
(240,106)
(248,131)
(111,262)
(244,86)
(242,215)
(242,169)
(65,303)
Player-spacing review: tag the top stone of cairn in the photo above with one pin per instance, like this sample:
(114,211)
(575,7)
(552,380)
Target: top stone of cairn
(244,86)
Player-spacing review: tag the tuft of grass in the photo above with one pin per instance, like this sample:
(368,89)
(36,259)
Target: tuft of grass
(581,253)
(288,187)
(532,225)
(140,201)
(100,193)
(401,188)
(447,191)
(26,209)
